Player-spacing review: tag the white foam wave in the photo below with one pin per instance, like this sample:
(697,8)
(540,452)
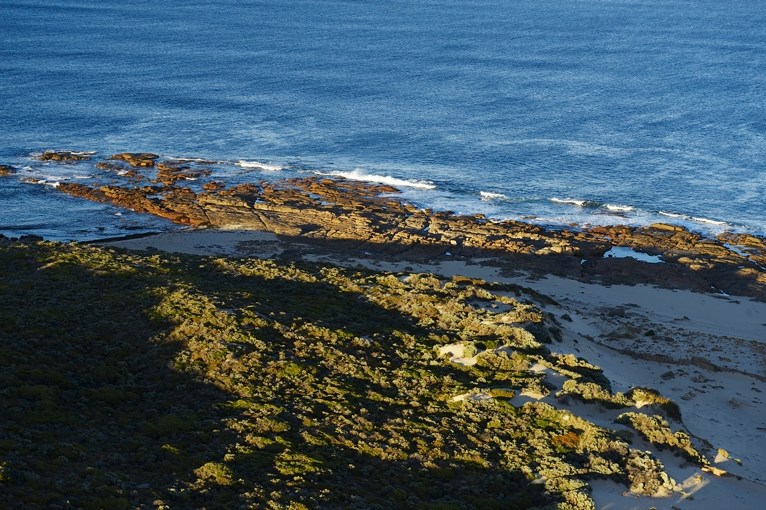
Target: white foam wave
(619,208)
(257,164)
(671,215)
(76,153)
(708,221)
(186,159)
(696,219)
(52,184)
(360,175)
(48,178)
(570,201)
(488,195)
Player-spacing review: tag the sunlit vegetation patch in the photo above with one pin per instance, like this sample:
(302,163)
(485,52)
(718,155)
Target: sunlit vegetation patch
(161,381)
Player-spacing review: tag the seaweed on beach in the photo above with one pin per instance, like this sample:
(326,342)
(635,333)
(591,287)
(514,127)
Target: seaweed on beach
(164,381)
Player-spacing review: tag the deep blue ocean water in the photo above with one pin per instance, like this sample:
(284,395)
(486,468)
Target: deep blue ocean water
(561,112)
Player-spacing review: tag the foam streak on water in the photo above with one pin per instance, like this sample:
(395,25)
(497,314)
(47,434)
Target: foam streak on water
(636,111)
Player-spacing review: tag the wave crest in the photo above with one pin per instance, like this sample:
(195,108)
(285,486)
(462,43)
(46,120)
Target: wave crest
(574,201)
(619,208)
(489,195)
(257,164)
(361,175)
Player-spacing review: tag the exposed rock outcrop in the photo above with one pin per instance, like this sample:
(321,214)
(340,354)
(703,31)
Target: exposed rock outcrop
(321,210)
(170,172)
(64,156)
(136,159)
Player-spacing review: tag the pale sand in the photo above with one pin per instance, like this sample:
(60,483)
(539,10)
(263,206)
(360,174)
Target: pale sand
(234,243)
(711,351)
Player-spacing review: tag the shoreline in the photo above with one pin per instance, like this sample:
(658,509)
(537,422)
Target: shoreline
(132,171)
(376,218)
(551,210)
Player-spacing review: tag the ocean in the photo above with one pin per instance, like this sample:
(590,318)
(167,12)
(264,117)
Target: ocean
(563,113)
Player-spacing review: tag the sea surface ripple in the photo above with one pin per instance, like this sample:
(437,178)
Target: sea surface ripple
(562,113)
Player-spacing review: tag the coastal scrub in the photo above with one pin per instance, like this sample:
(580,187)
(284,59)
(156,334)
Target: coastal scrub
(166,381)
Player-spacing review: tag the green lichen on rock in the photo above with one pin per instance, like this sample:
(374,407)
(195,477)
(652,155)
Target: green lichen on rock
(657,431)
(644,396)
(592,392)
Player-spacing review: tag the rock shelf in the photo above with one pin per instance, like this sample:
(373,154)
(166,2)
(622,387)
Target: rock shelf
(320,210)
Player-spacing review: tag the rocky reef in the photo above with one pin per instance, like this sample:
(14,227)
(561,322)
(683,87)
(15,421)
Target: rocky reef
(362,214)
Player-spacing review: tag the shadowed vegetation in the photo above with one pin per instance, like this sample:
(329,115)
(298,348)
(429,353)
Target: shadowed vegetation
(160,381)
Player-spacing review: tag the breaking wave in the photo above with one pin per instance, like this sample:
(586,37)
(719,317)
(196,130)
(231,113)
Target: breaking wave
(593,204)
(708,221)
(257,164)
(696,219)
(573,201)
(488,195)
(619,208)
(360,175)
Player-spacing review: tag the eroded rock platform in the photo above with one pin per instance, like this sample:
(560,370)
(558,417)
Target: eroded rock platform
(370,216)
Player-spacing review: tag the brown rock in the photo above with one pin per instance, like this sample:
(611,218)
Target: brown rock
(324,210)
(665,227)
(169,173)
(63,156)
(213,186)
(6,170)
(136,159)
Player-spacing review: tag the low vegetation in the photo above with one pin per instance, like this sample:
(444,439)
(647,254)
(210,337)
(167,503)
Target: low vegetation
(160,381)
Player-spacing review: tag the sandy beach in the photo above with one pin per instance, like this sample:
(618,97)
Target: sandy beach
(704,351)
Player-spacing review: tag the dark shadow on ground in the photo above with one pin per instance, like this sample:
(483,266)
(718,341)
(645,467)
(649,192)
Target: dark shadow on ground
(93,417)
(98,411)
